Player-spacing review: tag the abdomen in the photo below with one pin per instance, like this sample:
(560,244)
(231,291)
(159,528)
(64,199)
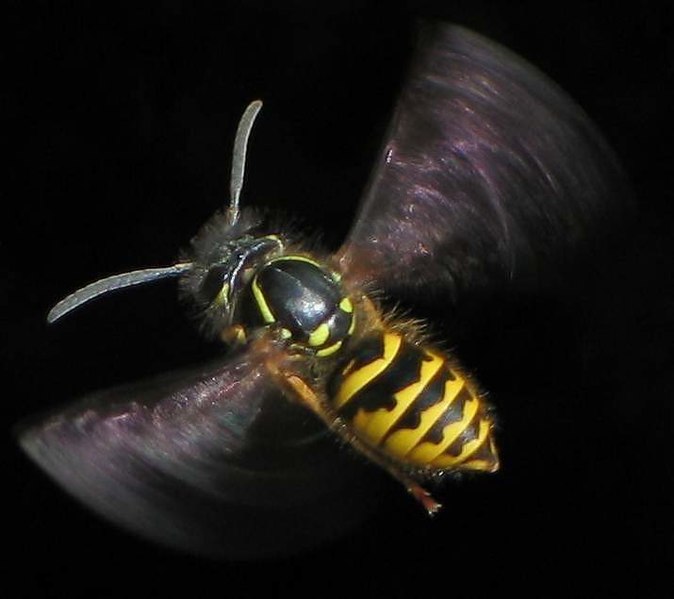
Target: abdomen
(410,405)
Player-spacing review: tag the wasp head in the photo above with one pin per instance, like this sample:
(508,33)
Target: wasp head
(224,256)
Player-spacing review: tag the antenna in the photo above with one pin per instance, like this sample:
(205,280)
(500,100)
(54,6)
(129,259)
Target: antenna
(239,158)
(127,279)
(146,275)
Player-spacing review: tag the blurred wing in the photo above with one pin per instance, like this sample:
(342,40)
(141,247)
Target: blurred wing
(211,461)
(489,174)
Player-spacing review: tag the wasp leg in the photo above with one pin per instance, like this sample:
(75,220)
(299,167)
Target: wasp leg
(307,396)
(310,399)
(428,502)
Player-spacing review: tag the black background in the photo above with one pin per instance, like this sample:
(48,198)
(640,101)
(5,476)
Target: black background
(119,123)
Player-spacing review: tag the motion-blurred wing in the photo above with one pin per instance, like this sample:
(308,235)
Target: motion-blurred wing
(211,461)
(489,174)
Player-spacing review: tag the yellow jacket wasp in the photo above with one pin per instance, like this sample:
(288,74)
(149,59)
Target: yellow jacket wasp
(488,177)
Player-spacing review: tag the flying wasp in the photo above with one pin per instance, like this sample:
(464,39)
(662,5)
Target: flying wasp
(488,178)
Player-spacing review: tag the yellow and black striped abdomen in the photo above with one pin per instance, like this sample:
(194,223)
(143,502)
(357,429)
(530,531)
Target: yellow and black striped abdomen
(407,403)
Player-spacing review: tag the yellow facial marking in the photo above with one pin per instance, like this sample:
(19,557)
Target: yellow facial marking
(380,421)
(261,301)
(320,335)
(285,333)
(222,297)
(362,376)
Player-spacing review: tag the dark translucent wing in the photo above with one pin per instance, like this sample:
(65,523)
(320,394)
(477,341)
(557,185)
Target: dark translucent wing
(211,461)
(489,174)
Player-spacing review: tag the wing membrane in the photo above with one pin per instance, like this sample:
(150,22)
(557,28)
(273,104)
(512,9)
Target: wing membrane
(489,174)
(212,461)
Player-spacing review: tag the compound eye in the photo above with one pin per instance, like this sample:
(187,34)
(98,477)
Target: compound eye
(214,287)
